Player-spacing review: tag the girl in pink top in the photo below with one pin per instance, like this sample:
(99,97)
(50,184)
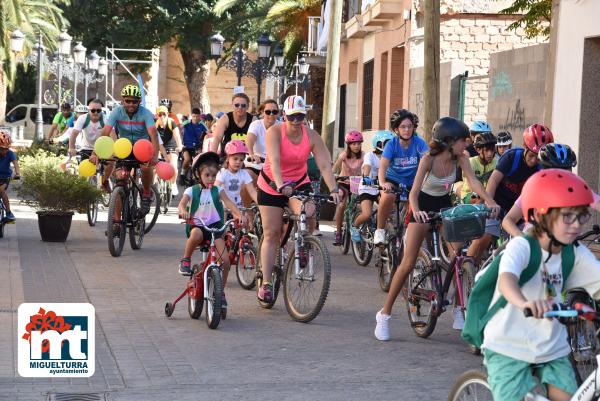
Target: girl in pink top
(285,169)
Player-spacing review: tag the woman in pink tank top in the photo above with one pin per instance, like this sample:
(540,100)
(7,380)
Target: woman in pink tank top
(288,148)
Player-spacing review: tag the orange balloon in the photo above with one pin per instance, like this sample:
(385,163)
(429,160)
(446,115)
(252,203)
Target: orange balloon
(143,150)
(164,170)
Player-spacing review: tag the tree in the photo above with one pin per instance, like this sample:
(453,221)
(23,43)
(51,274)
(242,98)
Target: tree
(535,16)
(31,17)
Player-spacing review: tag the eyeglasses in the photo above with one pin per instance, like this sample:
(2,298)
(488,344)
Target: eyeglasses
(271,112)
(582,218)
(405,127)
(295,117)
(131,101)
(240,105)
(95,110)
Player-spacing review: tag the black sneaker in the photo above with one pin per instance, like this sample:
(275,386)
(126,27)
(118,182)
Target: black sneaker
(147,202)
(184,267)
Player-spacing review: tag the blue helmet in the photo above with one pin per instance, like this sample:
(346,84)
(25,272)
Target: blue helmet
(556,155)
(480,126)
(380,138)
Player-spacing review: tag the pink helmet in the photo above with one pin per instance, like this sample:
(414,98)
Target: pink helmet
(354,136)
(236,146)
(536,136)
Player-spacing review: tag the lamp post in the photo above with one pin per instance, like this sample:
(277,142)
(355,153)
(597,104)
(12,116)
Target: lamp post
(102,72)
(88,74)
(279,65)
(78,60)
(64,49)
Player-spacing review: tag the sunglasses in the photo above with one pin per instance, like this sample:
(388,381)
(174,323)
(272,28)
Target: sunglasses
(295,117)
(95,110)
(271,112)
(582,218)
(162,115)
(130,101)
(240,106)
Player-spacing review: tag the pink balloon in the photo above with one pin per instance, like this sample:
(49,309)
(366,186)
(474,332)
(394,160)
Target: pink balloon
(165,170)
(143,150)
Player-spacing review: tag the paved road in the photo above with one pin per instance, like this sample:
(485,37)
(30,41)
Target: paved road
(255,354)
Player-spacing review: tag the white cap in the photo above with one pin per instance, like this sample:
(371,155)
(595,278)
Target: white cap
(294,105)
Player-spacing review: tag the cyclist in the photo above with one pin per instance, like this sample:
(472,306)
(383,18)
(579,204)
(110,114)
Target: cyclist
(171,139)
(133,122)
(257,132)
(193,135)
(368,195)
(478,127)
(288,148)
(556,203)
(398,164)
(431,193)
(233,125)
(504,142)
(59,123)
(350,162)
(208,121)
(7,157)
(168,103)
(91,125)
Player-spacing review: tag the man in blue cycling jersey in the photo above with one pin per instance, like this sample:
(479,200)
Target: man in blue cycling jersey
(134,122)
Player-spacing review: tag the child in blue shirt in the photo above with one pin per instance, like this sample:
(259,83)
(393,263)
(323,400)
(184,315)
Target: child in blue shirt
(193,134)
(7,157)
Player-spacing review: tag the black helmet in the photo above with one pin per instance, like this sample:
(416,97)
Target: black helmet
(449,128)
(556,155)
(399,115)
(205,158)
(484,139)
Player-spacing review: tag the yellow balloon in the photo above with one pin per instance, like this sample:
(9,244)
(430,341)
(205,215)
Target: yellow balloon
(87,168)
(104,147)
(122,148)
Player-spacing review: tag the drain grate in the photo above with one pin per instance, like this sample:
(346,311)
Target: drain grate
(78,397)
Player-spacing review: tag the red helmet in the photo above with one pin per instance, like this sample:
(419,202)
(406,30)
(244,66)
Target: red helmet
(535,136)
(4,139)
(558,188)
(236,146)
(354,136)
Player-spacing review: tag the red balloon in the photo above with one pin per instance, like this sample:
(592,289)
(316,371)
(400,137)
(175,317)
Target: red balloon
(165,170)
(143,150)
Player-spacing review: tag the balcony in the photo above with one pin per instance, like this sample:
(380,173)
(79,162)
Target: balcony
(355,28)
(381,11)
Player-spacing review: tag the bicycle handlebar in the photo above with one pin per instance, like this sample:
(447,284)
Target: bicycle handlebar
(563,311)
(219,230)
(304,195)
(594,231)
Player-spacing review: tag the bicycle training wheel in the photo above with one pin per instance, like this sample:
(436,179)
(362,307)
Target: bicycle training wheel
(92,207)
(422,302)
(362,251)
(136,230)
(388,262)
(195,295)
(152,215)
(115,231)
(471,386)
(213,302)
(305,293)
(245,267)
(276,276)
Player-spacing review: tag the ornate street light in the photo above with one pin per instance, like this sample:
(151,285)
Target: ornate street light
(89,73)
(64,49)
(264,46)
(17,40)
(303,66)
(102,67)
(79,59)
(216,46)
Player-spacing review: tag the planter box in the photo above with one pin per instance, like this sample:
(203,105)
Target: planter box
(54,227)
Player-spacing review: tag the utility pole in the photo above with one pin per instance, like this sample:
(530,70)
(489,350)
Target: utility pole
(331,73)
(550,68)
(431,82)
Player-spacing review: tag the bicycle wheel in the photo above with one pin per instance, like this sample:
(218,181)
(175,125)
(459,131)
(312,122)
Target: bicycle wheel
(152,215)
(49,96)
(116,238)
(467,282)
(363,250)
(276,276)
(422,301)
(195,296)
(92,207)
(213,302)
(388,262)
(136,230)
(305,293)
(582,339)
(244,269)
(471,385)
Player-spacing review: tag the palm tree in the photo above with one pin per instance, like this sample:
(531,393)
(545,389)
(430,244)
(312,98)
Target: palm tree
(31,17)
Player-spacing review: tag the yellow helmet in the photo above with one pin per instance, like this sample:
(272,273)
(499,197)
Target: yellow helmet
(162,109)
(131,90)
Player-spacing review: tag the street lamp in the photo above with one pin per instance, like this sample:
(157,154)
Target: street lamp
(64,49)
(93,61)
(279,65)
(216,46)
(79,59)
(17,40)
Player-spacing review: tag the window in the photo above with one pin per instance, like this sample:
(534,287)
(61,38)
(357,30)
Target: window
(17,114)
(351,8)
(342,119)
(367,109)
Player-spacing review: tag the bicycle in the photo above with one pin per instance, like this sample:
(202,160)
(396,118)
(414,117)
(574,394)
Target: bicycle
(473,384)
(296,264)
(242,253)
(348,214)
(428,284)
(205,283)
(3,220)
(165,194)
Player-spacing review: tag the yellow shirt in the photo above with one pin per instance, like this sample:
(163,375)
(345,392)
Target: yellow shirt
(482,173)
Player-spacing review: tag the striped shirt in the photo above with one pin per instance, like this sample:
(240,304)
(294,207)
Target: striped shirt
(133,128)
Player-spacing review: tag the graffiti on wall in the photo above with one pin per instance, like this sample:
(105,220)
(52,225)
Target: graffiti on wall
(515,119)
(419,104)
(501,83)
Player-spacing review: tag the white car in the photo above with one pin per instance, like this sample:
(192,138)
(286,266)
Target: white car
(24,116)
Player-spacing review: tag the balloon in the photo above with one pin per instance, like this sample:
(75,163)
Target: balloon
(143,150)
(122,148)
(87,168)
(164,170)
(104,147)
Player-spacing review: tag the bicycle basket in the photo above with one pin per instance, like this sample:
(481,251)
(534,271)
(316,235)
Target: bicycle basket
(354,183)
(464,222)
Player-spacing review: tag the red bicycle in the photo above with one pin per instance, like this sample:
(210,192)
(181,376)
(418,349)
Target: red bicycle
(242,252)
(205,283)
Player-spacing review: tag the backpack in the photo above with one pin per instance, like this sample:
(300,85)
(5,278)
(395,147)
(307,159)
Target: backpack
(515,165)
(87,121)
(479,311)
(196,191)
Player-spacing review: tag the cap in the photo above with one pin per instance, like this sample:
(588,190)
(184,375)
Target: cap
(294,105)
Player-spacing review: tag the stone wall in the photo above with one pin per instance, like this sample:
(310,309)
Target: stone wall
(517,93)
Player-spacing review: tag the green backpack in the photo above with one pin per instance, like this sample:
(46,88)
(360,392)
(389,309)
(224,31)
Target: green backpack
(196,191)
(479,312)
(88,120)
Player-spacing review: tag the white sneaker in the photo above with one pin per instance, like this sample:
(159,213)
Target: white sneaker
(174,190)
(382,330)
(459,319)
(379,237)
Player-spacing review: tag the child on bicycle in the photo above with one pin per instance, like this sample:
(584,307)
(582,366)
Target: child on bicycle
(233,177)
(367,194)
(556,203)
(193,136)
(350,162)
(205,210)
(7,157)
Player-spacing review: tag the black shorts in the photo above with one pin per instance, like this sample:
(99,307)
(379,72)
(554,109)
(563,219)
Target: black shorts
(429,203)
(84,154)
(206,235)
(3,182)
(170,146)
(365,196)
(265,199)
(191,151)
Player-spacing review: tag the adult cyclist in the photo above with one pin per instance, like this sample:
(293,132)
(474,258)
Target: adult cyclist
(134,122)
